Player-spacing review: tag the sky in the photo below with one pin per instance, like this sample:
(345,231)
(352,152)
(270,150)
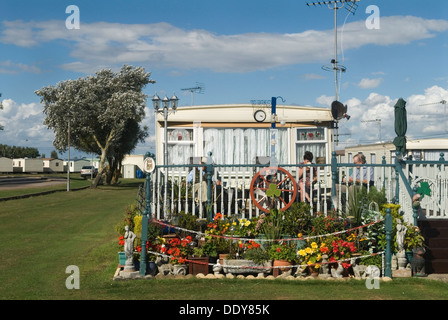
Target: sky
(238,50)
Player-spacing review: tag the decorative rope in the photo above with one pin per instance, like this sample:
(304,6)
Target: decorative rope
(262,240)
(271,267)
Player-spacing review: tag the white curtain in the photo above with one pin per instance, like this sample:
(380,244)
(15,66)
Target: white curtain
(241,146)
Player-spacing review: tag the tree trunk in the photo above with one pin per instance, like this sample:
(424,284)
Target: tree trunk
(101,168)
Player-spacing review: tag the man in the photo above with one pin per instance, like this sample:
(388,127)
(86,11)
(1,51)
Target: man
(367,175)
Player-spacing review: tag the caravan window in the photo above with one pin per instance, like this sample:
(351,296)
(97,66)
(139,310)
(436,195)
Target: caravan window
(311,139)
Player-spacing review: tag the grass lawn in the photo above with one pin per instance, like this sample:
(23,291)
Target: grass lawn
(44,235)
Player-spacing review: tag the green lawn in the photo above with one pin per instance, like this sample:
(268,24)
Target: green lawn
(43,235)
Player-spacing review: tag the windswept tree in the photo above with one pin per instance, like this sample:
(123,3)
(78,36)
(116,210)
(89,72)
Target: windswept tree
(95,112)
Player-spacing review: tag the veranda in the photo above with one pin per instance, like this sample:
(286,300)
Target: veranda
(232,189)
(243,193)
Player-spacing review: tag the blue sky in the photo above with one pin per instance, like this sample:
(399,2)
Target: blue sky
(239,50)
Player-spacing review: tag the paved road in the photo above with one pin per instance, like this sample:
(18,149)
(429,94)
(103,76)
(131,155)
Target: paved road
(7,183)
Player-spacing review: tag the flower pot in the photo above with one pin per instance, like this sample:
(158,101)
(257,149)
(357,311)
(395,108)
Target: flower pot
(243,266)
(121,258)
(179,269)
(281,266)
(198,265)
(222,256)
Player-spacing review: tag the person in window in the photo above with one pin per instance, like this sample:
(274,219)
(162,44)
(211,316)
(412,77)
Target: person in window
(305,178)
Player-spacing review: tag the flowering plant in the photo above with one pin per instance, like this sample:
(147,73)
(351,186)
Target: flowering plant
(244,227)
(341,250)
(312,254)
(177,249)
(282,251)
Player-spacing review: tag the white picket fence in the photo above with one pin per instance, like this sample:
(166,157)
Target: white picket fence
(232,195)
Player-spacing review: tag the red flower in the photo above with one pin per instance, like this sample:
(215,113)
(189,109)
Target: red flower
(279,250)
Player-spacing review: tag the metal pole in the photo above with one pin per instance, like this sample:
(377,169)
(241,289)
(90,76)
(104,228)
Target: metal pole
(145,218)
(388,224)
(68,162)
(165,162)
(336,50)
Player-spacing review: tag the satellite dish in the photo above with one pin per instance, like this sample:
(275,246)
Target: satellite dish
(339,111)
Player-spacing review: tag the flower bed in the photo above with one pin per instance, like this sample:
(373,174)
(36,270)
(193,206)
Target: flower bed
(312,245)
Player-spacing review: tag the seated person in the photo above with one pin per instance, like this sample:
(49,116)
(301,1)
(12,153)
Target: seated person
(305,187)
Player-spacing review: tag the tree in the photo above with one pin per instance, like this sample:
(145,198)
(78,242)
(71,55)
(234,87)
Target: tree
(96,110)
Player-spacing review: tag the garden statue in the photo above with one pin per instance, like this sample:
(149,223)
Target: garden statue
(401,254)
(372,272)
(401,232)
(325,267)
(163,266)
(337,272)
(358,270)
(300,271)
(129,238)
(418,262)
(217,267)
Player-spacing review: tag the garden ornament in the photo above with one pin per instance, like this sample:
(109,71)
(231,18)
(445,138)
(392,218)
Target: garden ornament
(129,238)
(418,262)
(337,272)
(372,272)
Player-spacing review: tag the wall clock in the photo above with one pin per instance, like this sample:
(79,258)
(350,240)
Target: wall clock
(260,116)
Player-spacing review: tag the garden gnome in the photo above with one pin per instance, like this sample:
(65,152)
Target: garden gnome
(129,238)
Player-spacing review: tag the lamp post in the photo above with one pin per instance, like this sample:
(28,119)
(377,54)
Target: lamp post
(68,145)
(167,105)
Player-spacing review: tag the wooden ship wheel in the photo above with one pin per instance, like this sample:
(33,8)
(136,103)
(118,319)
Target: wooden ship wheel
(273,187)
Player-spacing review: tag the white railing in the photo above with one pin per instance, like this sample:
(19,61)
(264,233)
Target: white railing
(232,194)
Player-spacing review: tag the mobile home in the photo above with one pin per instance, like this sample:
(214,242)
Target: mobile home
(5,165)
(240,133)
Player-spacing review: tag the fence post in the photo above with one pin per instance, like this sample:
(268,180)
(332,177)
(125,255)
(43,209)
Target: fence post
(388,225)
(334,175)
(146,214)
(209,170)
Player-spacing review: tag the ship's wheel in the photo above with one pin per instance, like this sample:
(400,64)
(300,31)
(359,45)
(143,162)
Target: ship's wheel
(273,187)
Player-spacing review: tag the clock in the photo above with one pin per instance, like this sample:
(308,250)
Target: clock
(260,116)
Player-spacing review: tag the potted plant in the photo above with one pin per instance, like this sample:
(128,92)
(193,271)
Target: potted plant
(413,240)
(311,256)
(283,256)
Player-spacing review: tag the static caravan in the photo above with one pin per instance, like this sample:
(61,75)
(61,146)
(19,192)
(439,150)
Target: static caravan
(76,165)
(28,165)
(53,165)
(419,149)
(240,133)
(5,165)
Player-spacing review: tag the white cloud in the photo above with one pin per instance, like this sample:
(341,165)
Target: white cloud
(113,44)
(425,114)
(367,83)
(24,124)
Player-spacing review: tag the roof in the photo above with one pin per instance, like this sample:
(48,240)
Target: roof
(244,113)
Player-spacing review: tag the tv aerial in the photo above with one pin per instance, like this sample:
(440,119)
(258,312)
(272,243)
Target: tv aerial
(336,5)
(444,109)
(199,88)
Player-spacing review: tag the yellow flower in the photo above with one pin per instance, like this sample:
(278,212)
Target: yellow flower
(302,253)
(300,235)
(314,245)
(309,262)
(322,244)
(247,223)
(319,257)
(308,250)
